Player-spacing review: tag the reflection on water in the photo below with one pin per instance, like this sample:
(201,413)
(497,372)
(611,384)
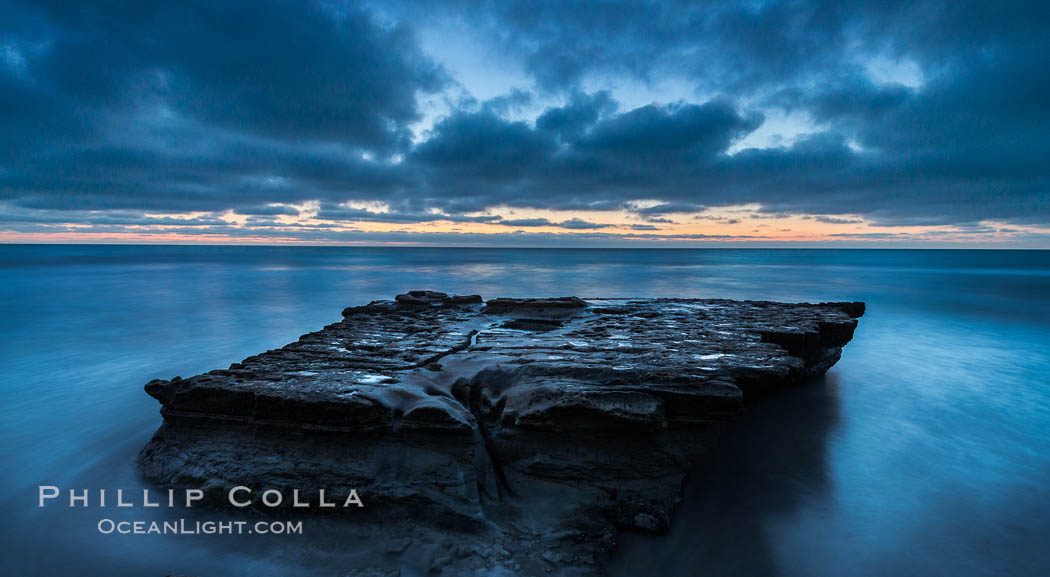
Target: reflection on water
(926,450)
(771,462)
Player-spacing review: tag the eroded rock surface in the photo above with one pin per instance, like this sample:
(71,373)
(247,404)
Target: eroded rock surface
(538,426)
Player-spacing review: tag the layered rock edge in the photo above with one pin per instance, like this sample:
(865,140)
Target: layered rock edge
(553,422)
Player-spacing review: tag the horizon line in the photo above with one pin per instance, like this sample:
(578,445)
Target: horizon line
(528,247)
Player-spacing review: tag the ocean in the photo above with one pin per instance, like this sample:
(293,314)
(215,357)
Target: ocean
(925,450)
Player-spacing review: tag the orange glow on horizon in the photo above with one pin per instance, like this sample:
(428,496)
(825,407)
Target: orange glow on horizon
(737,224)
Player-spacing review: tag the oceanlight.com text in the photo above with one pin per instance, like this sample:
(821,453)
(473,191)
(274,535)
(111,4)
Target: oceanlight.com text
(185,527)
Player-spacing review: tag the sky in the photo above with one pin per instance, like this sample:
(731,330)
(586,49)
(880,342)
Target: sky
(803,123)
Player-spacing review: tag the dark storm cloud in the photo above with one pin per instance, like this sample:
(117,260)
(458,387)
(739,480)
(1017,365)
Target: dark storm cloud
(477,159)
(731,43)
(281,69)
(484,147)
(967,143)
(582,112)
(193,105)
(214,106)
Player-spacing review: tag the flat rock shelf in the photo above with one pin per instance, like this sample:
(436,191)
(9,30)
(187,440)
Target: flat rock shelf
(537,428)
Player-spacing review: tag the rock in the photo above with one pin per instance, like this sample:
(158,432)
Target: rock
(535,307)
(398,545)
(534,425)
(434,298)
(375,572)
(439,563)
(647,522)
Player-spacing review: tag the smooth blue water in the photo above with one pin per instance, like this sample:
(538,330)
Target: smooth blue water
(925,451)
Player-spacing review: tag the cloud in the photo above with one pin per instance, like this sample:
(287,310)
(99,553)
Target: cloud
(193,105)
(267,210)
(616,158)
(915,114)
(581,112)
(834,220)
(339,213)
(527,222)
(577,224)
(482,146)
(665,208)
